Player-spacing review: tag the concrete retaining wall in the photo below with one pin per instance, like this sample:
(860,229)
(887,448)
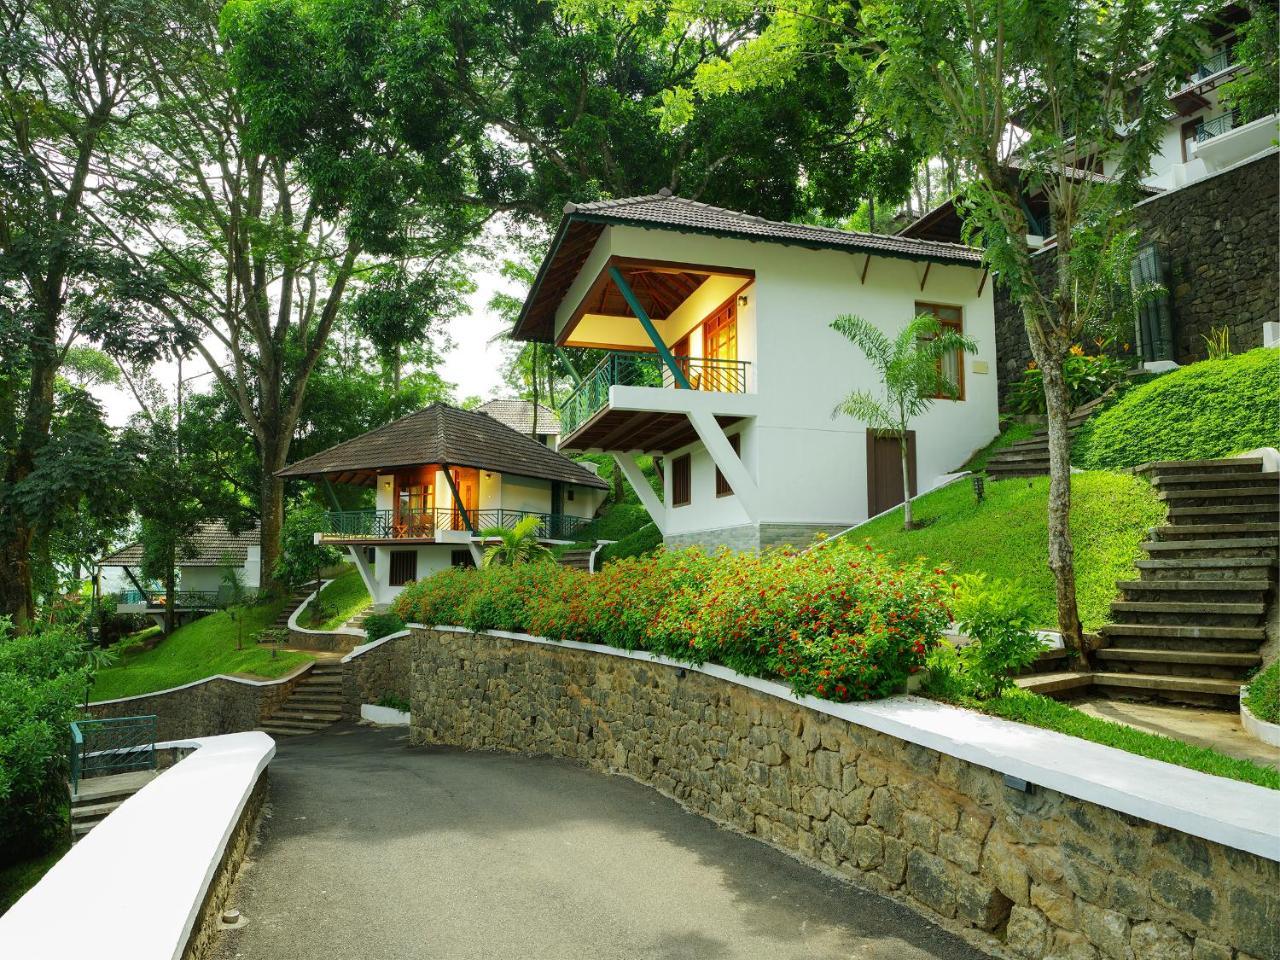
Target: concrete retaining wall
(1033,874)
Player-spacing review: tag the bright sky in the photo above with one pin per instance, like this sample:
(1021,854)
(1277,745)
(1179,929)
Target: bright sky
(473,363)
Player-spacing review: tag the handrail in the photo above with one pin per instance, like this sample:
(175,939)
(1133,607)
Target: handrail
(112,745)
(393,524)
(1217,126)
(628,368)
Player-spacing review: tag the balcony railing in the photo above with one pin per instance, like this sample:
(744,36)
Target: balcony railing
(424,524)
(1217,126)
(1215,64)
(182,599)
(632,369)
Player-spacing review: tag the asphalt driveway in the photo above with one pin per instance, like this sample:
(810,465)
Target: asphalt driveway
(378,851)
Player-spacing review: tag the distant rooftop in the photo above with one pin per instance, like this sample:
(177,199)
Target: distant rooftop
(518,415)
(215,546)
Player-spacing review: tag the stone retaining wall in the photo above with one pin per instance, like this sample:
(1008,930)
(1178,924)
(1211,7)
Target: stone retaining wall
(372,673)
(212,707)
(1222,238)
(1032,875)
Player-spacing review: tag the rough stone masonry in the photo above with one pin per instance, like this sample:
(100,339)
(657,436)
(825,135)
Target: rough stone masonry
(1032,875)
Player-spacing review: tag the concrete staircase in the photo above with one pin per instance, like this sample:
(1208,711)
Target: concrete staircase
(315,704)
(577,559)
(357,622)
(97,797)
(290,605)
(1030,457)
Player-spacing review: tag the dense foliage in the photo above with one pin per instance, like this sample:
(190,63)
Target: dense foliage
(1214,408)
(379,625)
(1087,378)
(301,558)
(1264,694)
(640,541)
(843,626)
(43,678)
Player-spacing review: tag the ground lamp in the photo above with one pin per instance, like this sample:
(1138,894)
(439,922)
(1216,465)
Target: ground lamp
(979,486)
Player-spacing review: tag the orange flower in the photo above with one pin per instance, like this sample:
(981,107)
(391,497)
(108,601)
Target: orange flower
(1077,351)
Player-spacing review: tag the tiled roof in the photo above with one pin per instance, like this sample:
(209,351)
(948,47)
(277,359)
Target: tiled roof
(214,546)
(444,434)
(676,213)
(518,415)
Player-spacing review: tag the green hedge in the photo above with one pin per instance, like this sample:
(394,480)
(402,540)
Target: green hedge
(847,626)
(642,541)
(1210,409)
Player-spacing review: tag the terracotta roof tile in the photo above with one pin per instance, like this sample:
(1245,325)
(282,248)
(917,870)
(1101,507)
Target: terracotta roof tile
(214,546)
(518,415)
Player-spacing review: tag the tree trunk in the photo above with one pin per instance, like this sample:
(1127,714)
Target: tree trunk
(1061,553)
(16,595)
(271,504)
(170,595)
(906,482)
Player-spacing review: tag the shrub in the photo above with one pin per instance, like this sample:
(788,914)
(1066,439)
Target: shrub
(43,679)
(1210,409)
(644,540)
(301,558)
(394,702)
(999,620)
(843,625)
(379,625)
(1087,378)
(1263,700)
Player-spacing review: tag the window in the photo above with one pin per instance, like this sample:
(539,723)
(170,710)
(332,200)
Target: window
(462,558)
(568,494)
(404,567)
(951,367)
(722,485)
(681,484)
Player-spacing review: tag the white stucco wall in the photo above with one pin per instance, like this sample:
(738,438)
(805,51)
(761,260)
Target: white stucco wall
(809,467)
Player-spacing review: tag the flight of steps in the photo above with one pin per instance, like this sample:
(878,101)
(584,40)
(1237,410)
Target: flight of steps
(316,702)
(1190,628)
(1030,457)
(357,622)
(292,604)
(98,796)
(577,559)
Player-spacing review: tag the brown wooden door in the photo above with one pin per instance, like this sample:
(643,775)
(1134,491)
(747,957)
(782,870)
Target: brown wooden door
(884,470)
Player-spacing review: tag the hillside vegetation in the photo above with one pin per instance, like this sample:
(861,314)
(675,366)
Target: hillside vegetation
(1007,536)
(1215,408)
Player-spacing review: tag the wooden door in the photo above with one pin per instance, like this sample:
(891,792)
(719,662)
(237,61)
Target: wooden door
(884,470)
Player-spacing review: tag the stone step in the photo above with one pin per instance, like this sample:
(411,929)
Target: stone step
(1218,478)
(1020,455)
(78,830)
(317,699)
(290,729)
(289,713)
(1205,586)
(1160,631)
(1168,683)
(1243,495)
(113,786)
(1250,511)
(1211,531)
(1203,607)
(1208,568)
(1229,547)
(85,812)
(1191,657)
(1228,464)
(1053,683)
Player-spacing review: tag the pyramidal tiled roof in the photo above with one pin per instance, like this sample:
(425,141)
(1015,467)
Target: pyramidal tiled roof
(518,415)
(213,543)
(666,211)
(444,434)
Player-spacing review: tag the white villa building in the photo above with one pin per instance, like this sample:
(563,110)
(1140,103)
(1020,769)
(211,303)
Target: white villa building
(442,476)
(720,358)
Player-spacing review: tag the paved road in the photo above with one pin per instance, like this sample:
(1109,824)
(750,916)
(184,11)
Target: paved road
(376,851)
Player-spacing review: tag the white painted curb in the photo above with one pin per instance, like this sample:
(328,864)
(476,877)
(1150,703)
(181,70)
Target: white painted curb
(1262,730)
(384,716)
(339,631)
(274,681)
(133,888)
(1231,812)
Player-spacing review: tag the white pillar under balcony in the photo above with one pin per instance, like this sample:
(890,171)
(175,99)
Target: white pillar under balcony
(729,463)
(640,484)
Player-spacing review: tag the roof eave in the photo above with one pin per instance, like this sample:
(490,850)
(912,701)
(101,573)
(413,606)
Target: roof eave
(517,331)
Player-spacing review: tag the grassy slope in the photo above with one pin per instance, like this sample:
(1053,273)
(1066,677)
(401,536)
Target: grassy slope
(1050,714)
(200,649)
(1006,536)
(17,878)
(618,521)
(347,595)
(1264,694)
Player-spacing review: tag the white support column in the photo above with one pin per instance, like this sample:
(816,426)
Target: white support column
(366,572)
(477,552)
(713,438)
(640,484)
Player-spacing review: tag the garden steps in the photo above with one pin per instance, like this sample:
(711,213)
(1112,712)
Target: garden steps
(1191,628)
(576,559)
(294,601)
(1030,457)
(97,797)
(314,704)
(1051,684)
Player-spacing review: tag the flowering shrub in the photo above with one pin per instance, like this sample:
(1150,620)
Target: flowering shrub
(842,624)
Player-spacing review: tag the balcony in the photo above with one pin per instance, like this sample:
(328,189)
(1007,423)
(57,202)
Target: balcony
(1216,70)
(1225,140)
(585,416)
(436,526)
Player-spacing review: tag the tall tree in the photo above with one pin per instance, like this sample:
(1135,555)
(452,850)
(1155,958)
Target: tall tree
(1060,83)
(271,184)
(68,85)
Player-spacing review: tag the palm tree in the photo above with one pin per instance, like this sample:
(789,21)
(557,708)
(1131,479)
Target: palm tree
(516,545)
(910,368)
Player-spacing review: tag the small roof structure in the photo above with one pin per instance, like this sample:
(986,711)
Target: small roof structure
(518,415)
(441,434)
(583,223)
(215,546)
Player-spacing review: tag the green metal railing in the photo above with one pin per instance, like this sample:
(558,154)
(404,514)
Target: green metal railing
(1215,64)
(182,599)
(1217,126)
(621,368)
(424,524)
(112,745)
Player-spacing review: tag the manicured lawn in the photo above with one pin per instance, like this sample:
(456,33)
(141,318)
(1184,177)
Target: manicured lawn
(1040,711)
(17,878)
(345,595)
(1007,535)
(200,649)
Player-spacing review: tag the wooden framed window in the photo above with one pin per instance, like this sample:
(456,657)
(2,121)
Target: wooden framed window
(462,558)
(681,480)
(722,485)
(952,365)
(404,567)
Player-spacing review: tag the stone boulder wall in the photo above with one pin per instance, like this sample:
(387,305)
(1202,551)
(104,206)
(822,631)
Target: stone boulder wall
(380,668)
(1032,875)
(206,708)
